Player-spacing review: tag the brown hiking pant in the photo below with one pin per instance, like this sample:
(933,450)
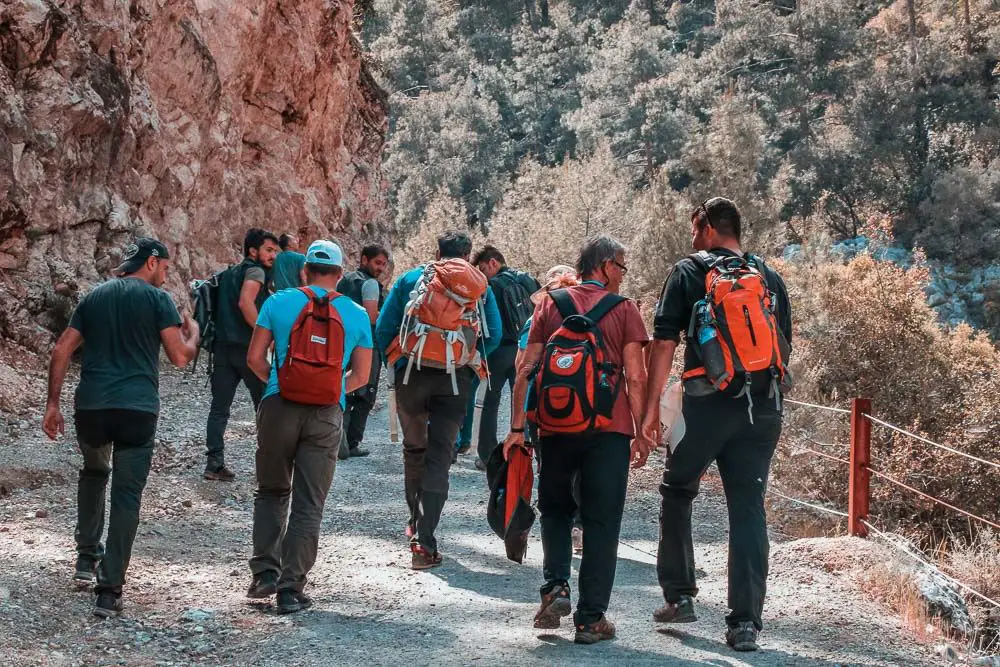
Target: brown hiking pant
(296,457)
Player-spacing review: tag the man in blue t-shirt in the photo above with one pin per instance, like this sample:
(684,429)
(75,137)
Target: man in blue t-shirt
(296,439)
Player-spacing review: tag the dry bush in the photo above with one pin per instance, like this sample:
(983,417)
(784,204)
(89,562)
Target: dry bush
(865,330)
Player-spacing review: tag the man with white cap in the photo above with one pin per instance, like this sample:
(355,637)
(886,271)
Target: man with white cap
(300,419)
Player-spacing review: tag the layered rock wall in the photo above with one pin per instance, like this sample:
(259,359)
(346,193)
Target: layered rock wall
(191,120)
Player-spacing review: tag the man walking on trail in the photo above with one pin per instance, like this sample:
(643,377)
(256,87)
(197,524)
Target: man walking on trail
(121,325)
(562,345)
(513,290)
(364,288)
(287,271)
(737,427)
(432,400)
(298,430)
(242,291)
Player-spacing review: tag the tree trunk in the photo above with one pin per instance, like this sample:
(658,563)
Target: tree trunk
(968,26)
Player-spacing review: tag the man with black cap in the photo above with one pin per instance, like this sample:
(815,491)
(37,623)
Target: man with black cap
(121,325)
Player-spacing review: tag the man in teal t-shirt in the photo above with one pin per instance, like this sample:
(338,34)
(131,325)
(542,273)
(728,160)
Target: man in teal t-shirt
(288,265)
(295,440)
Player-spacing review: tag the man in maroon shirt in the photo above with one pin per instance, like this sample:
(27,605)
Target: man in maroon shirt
(601,459)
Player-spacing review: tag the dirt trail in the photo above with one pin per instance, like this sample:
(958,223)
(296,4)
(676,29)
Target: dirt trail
(185,605)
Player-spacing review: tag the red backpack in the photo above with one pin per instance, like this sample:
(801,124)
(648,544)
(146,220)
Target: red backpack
(313,370)
(575,386)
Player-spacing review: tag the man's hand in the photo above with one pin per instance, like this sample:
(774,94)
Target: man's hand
(189,328)
(650,428)
(512,440)
(641,447)
(53,424)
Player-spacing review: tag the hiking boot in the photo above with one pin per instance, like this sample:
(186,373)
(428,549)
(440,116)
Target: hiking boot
(86,571)
(555,605)
(264,585)
(343,452)
(464,448)
(290,602)
(357,452)
(480,465)
(108,604)
(577,540)
(220,474)
(591,633)
(742,637)
(681,611)
(424,559)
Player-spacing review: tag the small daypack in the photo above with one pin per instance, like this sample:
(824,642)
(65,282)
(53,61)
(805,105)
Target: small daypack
(313,370)
(575,386)
(734,328)
(443,321)
(205,304)
(514,301)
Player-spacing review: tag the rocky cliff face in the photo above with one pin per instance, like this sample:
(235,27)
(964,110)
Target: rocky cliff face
(190,120)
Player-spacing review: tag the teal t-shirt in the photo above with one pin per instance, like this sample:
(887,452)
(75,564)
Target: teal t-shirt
(278,316)
(287,266)
(120,322)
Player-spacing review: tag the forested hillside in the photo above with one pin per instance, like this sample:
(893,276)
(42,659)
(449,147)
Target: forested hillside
(818,117)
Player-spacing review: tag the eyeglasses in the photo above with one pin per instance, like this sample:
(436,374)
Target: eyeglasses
(622,267)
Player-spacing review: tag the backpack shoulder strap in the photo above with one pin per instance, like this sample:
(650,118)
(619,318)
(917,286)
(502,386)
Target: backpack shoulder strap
(703,259)
(604,306)
(564,303)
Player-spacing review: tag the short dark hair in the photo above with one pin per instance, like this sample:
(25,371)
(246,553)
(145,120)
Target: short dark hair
(374,250)
(322,269)
(255,238)
(721,214)
(454,244)
(488,253)
(595,252)
(284,240)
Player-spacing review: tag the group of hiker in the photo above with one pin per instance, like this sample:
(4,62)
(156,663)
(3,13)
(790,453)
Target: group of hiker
(586,380)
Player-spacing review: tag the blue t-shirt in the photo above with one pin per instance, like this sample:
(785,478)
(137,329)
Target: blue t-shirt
(278,315)
(522,338)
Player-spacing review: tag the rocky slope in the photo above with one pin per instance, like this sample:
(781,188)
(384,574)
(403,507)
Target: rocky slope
(188,119)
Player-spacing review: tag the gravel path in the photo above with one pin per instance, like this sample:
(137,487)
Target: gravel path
(184,602)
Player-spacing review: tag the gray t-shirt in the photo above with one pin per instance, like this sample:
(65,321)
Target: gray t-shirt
(120,322)
(370,290)
(256,274)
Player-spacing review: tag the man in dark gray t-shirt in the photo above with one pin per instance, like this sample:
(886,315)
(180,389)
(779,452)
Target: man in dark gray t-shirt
(121,325)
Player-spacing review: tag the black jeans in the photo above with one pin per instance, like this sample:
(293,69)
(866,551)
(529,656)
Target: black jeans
(719,429)
(119,444)
(600,462)
(359,406)
(431,415)
(502,372)
(228,370)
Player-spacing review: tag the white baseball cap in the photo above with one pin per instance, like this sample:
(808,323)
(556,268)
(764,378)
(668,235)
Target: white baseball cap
(325,252)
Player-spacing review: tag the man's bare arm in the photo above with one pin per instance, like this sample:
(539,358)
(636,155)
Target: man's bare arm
(661,359)
(68,342)
(372,308)
(181,343)
(360,369)
(635,387)
(248,301)
(257,354)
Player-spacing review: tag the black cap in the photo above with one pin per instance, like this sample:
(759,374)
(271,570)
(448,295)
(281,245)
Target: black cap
(136,253)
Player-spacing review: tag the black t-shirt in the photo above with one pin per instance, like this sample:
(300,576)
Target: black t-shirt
(120,322)
(513,290)
(685,286)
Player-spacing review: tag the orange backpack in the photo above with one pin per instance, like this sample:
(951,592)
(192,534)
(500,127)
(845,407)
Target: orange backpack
(313,370)
(443,320)
(734,328)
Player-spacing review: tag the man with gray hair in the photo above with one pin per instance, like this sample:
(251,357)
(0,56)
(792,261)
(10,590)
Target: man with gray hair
(574,328)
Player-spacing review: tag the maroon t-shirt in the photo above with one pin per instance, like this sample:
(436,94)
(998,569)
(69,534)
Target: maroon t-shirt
(623,325)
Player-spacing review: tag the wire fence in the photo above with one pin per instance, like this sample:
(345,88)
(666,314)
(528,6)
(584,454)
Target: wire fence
(860,470)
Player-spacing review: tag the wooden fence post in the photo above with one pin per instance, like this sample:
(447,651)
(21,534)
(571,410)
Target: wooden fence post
(859,482)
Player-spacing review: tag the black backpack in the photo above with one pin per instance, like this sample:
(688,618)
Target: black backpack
(514,301)
(205,300)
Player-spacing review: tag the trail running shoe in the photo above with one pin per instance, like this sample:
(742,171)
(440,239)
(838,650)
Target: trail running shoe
(264,585)
(555,605)
(290,602)
(86,571)
(678,612)
(591,633)
(220,474)
(424,559)
(742,637)
(108,605)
